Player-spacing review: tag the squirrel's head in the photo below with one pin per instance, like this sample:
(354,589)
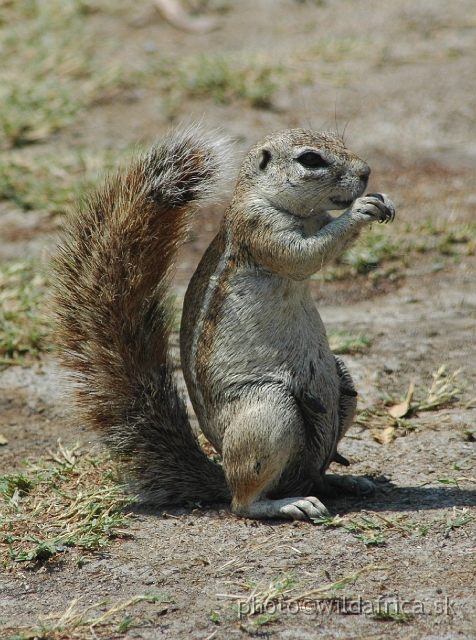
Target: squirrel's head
(304,172)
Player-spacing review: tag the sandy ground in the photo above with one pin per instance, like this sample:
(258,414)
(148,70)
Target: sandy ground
(406,99)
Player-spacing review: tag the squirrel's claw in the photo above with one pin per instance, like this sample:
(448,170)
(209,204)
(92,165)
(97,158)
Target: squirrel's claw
(375,206)
(340,459)
(387,210)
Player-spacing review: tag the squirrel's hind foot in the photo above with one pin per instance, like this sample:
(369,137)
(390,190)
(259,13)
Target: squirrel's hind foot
(336,485)
(293,508)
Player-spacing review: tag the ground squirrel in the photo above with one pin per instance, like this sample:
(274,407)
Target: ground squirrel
(268,392)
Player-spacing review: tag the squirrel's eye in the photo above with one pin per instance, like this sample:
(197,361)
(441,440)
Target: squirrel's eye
(312,160)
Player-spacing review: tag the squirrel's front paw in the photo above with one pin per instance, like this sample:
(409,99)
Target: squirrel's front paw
(374,206)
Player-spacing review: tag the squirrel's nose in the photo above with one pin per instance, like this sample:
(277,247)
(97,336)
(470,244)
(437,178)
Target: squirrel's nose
(364,173)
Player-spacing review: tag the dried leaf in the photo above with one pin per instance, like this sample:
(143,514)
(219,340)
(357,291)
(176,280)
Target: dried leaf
(3,440)
(400,410)
(384,437)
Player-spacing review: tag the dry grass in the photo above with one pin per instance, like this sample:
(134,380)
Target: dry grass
(68,500)
(443,389)
(99,620)
(375,529)
(283,591)
(389,420)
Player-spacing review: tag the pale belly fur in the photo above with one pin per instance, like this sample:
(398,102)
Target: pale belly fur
(270,331)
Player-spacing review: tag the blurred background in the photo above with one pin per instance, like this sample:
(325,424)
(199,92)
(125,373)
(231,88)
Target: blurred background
(85,83)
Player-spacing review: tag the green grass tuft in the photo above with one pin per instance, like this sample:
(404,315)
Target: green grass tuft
(23,322)
(225,78)
(52,180)
(55,68)
(43,42)
(345,342)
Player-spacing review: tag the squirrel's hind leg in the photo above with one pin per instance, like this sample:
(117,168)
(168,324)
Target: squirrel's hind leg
(348,397)
(335,485)
(264,437)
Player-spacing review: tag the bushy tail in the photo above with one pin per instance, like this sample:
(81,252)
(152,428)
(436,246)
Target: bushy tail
(111,278)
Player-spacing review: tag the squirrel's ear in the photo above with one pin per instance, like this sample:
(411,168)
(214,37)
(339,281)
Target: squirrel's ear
(264,159)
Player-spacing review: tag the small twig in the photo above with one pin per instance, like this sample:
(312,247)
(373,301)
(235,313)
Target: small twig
(174,14)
